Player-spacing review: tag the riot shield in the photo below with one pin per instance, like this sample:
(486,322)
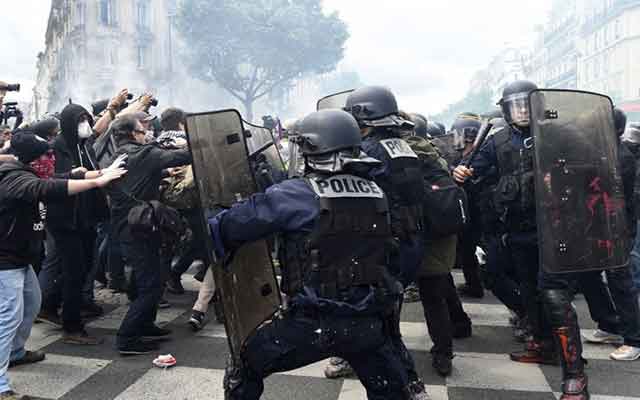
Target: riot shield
(265,159)
(247,281)
(296,160)
(337,100)
(578,188)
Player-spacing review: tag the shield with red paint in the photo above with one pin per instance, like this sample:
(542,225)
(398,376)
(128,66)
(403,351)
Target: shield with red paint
(580,208)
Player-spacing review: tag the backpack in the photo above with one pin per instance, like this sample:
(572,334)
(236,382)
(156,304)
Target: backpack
(444,205)
(151,219)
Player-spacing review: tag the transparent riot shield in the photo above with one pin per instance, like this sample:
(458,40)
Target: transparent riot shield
(265,159)
(246,279)
(578,188)
(296,160)
(337,100)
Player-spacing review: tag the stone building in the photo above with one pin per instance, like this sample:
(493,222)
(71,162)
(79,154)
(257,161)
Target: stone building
(610,46)
(95,47)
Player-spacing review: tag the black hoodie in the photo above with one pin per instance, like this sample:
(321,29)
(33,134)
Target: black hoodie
(21,219)
(84,211)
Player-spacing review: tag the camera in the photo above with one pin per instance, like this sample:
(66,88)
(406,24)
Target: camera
(15,87)
(11,110)
(99,106)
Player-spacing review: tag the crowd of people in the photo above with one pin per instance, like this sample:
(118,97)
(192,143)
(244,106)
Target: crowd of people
(108,195)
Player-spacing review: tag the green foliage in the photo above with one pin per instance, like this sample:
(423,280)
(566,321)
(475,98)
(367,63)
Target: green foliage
(251,47)
(479,102)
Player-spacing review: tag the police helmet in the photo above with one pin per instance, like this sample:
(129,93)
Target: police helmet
(466,127)
(328,131)
(620,120)
(330,140)
(435,130)
(421,123)
(514,102)
(375,106)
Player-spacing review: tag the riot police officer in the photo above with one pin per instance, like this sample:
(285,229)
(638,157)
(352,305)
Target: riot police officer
(376,110)
(339,295)
(509,152)
(465,128)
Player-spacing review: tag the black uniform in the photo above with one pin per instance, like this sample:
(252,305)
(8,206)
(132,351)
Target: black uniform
(340,295)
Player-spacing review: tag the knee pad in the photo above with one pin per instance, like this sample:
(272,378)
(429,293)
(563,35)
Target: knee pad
(557,306)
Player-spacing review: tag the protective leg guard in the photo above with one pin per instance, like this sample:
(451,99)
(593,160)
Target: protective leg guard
(566,332)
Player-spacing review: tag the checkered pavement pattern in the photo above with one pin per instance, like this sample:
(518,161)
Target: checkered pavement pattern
(482,369)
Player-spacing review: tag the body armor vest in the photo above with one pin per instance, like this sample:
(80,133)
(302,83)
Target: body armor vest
(514,195)
(350,242)
(404,185)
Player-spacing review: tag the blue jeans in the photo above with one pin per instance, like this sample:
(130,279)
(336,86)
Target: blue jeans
(19,305)
(635,259)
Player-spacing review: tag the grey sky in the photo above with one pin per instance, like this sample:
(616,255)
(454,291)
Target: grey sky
(425,50)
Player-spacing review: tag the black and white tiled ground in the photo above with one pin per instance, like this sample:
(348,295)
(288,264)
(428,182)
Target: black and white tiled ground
(482,369)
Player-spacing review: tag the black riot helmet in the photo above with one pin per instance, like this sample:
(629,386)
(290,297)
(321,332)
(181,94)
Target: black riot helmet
(466,127)
(329,140)
(375,106)
(620,120)
(435,130)
(515,102)
(421,123)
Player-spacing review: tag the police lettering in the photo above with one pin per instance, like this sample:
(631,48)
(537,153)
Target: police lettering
(397,148)
(346,186)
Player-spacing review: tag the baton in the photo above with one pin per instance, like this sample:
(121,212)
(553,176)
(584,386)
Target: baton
(485,128)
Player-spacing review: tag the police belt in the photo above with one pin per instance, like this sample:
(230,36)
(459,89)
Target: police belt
(331,283)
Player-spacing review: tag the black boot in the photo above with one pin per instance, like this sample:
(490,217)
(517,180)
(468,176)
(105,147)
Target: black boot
(574,380)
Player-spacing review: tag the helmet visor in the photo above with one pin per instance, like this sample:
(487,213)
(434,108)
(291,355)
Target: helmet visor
(517,108)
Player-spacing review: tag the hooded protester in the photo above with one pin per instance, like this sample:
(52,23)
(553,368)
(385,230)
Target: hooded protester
(72,227)
(21,234)
(45,165)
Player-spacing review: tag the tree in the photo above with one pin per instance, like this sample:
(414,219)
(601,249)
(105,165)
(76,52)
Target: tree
(478,102)
(251,47)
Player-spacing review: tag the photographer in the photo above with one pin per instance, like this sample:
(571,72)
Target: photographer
(150,268)
(21,233)
(5,144)
(9,110)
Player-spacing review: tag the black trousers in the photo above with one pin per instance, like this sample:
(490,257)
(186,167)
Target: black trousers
(466,257)
(75,250)
(298,339)
(435,293)
(150,271)
(623,302)
(195,248)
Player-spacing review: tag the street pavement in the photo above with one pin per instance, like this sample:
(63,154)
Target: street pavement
(482,369)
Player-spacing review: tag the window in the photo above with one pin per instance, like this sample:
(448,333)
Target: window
(142,15)
(80,13)
(107,14)
(142,56)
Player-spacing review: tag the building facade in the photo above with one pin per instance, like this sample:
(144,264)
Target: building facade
(554,59)
(610,47)
(95,47)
